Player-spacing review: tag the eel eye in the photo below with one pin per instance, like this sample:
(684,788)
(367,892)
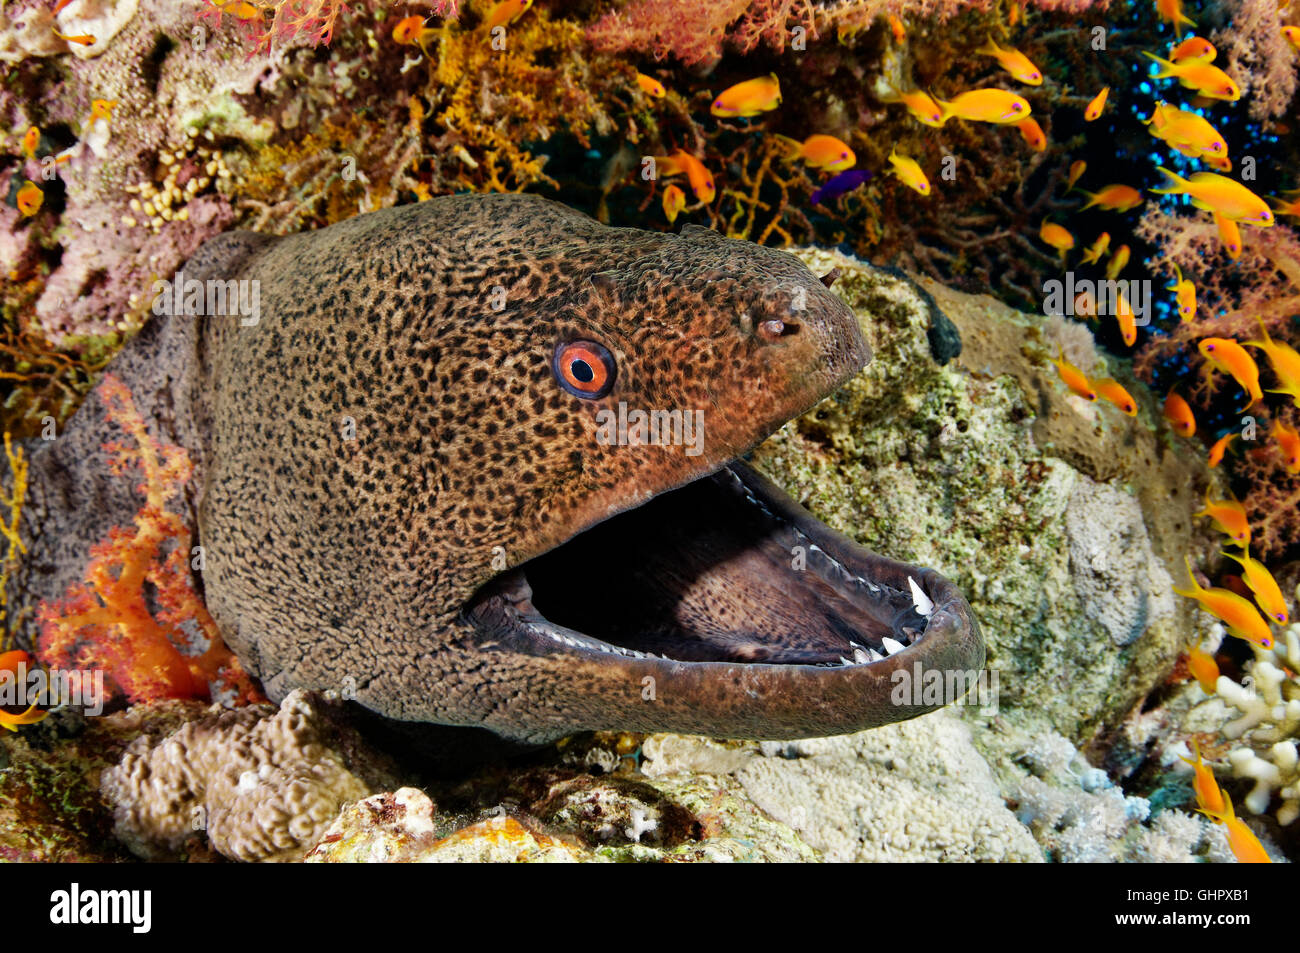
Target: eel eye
(584,368)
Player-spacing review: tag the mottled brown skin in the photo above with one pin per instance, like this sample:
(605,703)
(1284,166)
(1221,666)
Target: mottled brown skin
(353,562)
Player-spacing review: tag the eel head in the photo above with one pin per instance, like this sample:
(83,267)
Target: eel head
(670,586)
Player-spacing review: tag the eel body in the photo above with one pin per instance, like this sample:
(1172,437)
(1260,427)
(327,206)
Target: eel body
(412,487)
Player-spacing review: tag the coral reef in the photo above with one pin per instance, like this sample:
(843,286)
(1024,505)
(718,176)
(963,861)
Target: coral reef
(1064,521)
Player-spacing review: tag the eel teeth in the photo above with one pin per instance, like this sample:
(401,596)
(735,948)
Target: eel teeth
(923,603)
(861,657)
(892,647)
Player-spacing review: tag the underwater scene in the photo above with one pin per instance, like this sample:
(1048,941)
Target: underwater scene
(649,431)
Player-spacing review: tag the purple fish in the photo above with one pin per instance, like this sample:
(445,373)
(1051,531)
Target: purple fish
(839,185)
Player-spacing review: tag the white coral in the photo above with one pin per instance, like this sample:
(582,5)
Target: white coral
(1268,703)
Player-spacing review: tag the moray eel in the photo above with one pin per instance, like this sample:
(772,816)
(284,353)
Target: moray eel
(403,493)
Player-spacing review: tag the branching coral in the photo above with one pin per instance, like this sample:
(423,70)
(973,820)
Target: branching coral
(1268,700)
(109,621)
(759,206)
(490,103)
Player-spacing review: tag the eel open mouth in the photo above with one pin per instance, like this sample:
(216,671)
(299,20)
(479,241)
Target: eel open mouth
(727,569)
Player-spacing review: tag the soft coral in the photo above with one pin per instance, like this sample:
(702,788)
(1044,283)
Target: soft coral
(106,621)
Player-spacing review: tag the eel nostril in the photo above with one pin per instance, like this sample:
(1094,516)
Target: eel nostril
(776,328)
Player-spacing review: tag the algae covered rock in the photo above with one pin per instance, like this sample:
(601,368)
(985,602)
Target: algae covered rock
(1062,521)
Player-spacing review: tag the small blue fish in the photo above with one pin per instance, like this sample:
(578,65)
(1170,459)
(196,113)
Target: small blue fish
(838,185)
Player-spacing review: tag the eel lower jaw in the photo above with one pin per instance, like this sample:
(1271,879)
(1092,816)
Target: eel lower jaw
(726,570)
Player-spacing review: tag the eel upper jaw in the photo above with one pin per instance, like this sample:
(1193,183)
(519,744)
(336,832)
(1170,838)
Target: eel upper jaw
(729,572)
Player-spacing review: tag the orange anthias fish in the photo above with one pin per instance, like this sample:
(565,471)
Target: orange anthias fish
(1127,320)
(1205,78)
(1229,357)
(1261,582)
(1187,132)
(102,109)
(1194,48)
(1222,163)
(1072,377)
(1014,62)
(921,105)
(651,86)
(1171,12)
(29,199)
(1288,441)
(1284,360)
(897,28)
(507,11)
(1292,35)
(1114,392)
(987,105)
(1229,235)
(1118,198)
(31,139)
(826,152)
(1204,669)
(1096,106)
(83,39)
(696,174)
(1185,294)
(674,202)
(1236,612)
(1220,195)
(242,10)
(1056,236)
(1098,248)
(1033,134)
(1118,259)
(1077,168)
(909,172)
(1179,415)
(1284,207)
(1229,518)
(1245,845)
(9,662)
(1219,448)
(239,9)
(412,32)
(750,98)
(1208,795)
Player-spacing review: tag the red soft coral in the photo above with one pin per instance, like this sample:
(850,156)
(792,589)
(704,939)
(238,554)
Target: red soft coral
(106,621)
